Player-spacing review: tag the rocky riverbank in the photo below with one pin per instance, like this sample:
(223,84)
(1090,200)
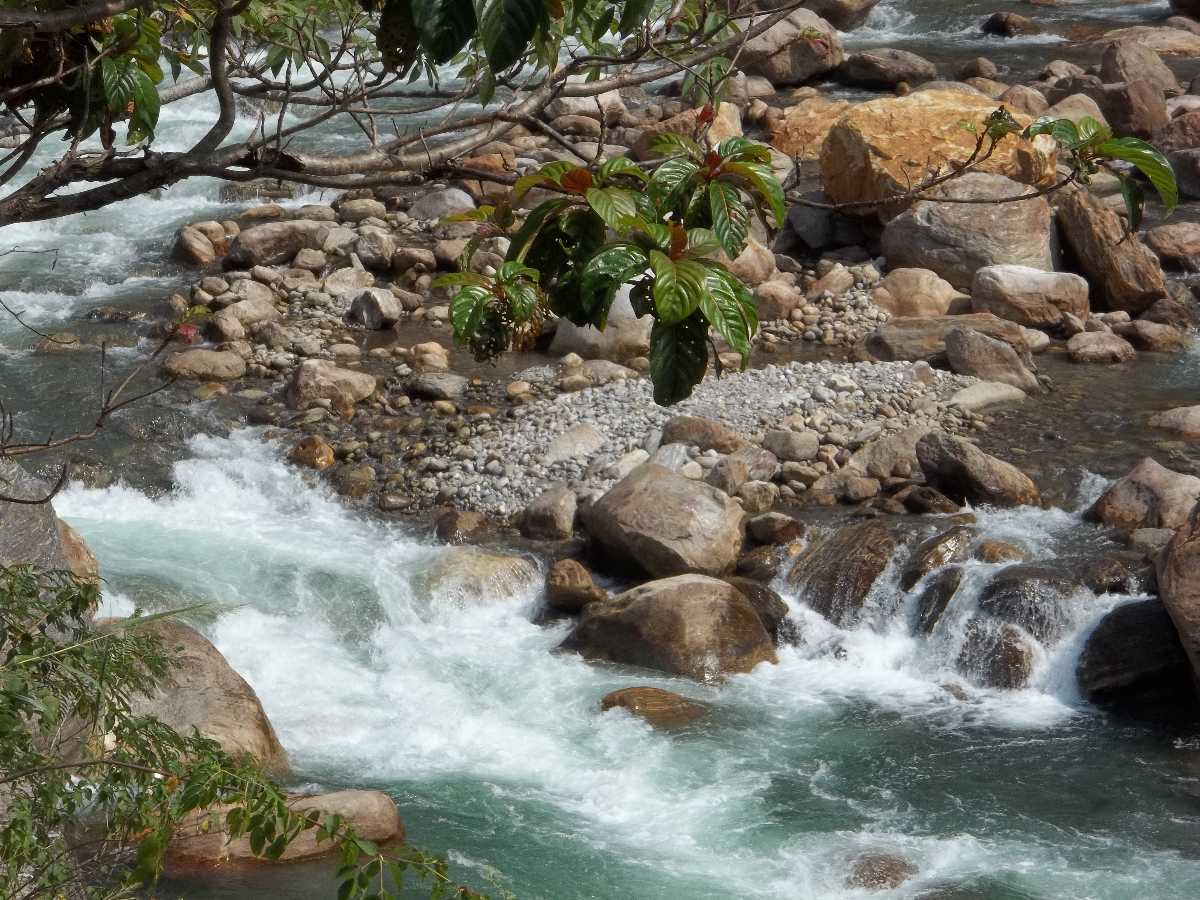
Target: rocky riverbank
(836,485)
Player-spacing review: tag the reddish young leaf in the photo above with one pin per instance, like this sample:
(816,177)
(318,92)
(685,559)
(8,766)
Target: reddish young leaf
(577,181)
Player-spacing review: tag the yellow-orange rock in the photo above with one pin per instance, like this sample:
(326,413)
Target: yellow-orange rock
(312,452)
(879,149)
(802,129)
(662,709)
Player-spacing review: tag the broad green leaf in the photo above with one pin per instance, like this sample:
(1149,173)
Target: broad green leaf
(467,310)
(740,149)
(678,358)
(614,205)
(671,179)
(1147,160)
(633,14)
(1092,131)
(522,300)
(526,183)
(702,242)
(678,286)
(658,233)
(730,218)
(606,270)
(511,270)
(764,183)
(533,224)
(619,165)
(1062,130)
(1135,201)
(725,305)
(672,144)
(445,26)
(507,27)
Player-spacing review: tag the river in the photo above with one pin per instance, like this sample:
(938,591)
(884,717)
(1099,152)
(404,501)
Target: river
(493,744)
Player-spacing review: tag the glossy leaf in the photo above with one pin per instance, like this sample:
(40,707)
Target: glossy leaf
(1147,160)
(726,311)
(620,166)
(678,358)
(672,144)
(1135,201)
(762,181)
(678,286)
(445,26)
(537,219)
(614,205)
(604,273)
(507,27)
(467,310)
(730,217)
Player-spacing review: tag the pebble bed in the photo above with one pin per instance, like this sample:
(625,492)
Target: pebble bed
(846,404)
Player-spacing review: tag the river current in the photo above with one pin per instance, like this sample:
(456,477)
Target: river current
(493,744)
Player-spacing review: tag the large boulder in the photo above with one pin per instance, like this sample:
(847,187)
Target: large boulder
(878,149)
(316,379)
(372,814)
(1164,40)
(624,337)
(1030,297)
(689,625)
(997,655)
(963,472)
(1032,597)
(1176,243)
(1149,496)
(205,365)
(667,524)
(204,692)
(834,576)
(31,533)
(957,239)
(374,309)
(972,353)
(1181,133)
(1125,61)
(940,550)
(917,292)
(1179,587)
(801,131)
(275,243)
(924,338)
(792,51)
(1134,655)
(1125,273)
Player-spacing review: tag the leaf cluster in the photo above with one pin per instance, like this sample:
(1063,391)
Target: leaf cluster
(664,231)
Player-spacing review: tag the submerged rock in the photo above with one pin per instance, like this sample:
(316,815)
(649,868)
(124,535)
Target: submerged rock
(880,872)
(662,709)
(569,587)
(936,597)
(949,547)
(1031,596)
(997,655)
(689,625)
(470,575)
(834,576)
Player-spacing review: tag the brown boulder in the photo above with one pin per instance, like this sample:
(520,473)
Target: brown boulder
(1100,347)
(949,547)
(1149,496)
(689,625)
(963,472)
(667,524)
(997,655)
(1125,273)
(312,452)
(372,814)
(1179,587)
(972,353)
(703,433)
(1134,654)
(204,692)
(880,872)
(911,340)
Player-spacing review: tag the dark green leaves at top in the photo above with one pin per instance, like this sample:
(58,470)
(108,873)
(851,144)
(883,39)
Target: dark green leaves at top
(1062,130)
(672,144)
(633,15)
(467,310)
(614,205)
(129,92)
(678,358)
(608,269)
(506,29)
(445,26)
